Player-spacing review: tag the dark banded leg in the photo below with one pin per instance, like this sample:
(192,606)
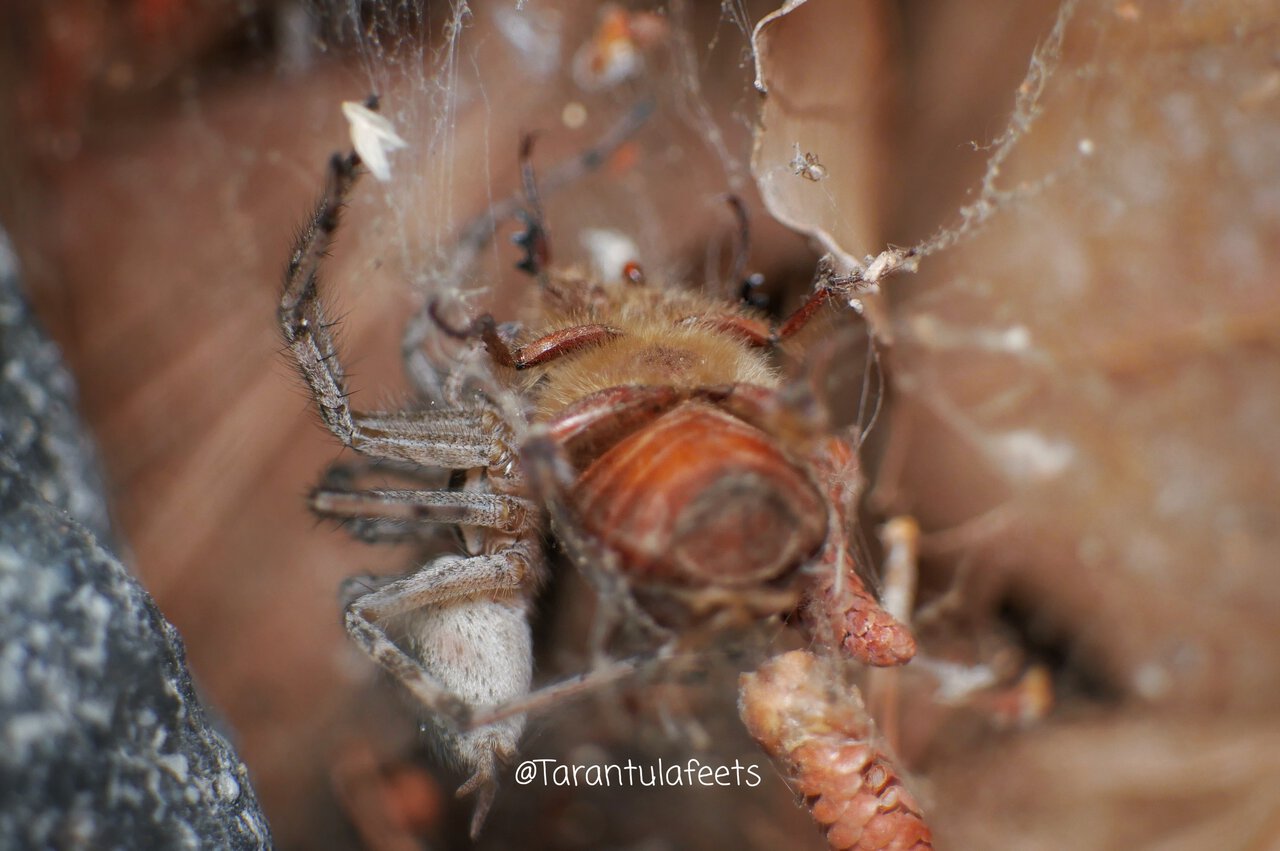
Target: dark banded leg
(491,511)
(454,439)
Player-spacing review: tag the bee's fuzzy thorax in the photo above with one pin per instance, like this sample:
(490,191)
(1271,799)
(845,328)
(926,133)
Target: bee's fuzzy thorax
(661,343)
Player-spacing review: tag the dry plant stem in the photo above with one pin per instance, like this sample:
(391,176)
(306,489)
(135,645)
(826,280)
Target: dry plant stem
(901,539)
(808,719)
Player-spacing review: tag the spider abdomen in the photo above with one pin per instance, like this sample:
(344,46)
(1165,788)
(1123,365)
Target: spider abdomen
(701,497)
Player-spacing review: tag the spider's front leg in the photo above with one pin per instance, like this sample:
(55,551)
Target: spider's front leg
(452,439)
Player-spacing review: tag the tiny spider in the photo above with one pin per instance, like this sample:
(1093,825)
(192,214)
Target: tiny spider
(805,164)
(645,427)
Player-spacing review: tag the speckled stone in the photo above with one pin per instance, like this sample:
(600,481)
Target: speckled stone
(103,742)
(39,428)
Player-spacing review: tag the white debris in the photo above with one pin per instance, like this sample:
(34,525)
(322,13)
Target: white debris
(1030,456)
(956,681)
(535,36)
(1152,681)
(610,251)
(373,137)
(574,115)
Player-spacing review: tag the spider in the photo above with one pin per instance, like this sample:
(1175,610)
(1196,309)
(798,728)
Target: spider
(645,428)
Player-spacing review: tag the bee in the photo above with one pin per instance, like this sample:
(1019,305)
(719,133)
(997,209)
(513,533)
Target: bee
(641,426)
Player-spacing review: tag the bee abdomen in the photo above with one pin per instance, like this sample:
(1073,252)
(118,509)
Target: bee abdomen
(701,497)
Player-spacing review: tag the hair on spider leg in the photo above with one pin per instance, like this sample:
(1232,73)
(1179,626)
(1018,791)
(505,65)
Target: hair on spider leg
(354,587)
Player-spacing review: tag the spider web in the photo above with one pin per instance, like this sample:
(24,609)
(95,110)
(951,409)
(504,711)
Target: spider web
(462,82)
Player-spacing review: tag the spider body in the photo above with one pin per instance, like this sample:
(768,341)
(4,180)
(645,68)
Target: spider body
(645,428)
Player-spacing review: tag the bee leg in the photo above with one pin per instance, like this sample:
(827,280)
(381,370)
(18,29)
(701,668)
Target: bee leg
(760,334)
(535,353)
(739,281)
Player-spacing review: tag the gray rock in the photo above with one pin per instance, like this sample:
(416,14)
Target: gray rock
(103,742)
(38,423)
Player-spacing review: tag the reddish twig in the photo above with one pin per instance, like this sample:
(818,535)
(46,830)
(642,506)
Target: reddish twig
(807,718)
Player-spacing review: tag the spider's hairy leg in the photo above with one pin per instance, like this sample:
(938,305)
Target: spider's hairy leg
(302,319)
(443,438)
(441,580)
(455,439)
(349,473)
(568,688)
(487,510)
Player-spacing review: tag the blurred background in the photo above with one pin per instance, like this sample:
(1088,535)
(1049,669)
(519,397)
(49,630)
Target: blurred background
(1083,381)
